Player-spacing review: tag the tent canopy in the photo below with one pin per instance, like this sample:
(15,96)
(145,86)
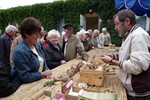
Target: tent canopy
(139,7)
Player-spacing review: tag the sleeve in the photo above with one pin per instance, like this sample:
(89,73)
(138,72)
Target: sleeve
(25,70)
(109,38)
(80,48)
(13,46)
(138,62)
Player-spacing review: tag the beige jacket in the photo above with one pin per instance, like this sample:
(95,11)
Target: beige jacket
(13,46)
(72,47)
(136,59)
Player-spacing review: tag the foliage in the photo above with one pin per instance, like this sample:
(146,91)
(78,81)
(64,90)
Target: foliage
(70,10)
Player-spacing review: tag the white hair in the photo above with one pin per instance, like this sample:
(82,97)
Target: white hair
(53,32)
(10,28)
(96,31)
(89,30)
(104,29)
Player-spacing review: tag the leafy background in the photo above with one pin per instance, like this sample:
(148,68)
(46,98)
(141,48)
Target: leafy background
(70,10)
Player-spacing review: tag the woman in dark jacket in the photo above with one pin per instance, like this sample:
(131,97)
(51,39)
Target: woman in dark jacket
(53,52)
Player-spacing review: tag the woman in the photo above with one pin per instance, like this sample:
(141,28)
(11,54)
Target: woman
(29,62)
(53,52)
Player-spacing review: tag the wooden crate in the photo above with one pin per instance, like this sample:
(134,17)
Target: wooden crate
(92,77)
(66,89)
(41,94)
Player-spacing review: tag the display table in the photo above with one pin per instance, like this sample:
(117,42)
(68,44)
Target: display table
(28,91)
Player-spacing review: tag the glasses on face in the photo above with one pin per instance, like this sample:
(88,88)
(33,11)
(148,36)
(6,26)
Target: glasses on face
(118,23)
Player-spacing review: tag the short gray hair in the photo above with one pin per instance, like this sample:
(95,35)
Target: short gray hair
(126,13)
(96,31)
(53,32)
(10,28)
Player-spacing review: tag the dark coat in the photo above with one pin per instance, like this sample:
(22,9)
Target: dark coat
(5,49)
(8,83)
(53,55)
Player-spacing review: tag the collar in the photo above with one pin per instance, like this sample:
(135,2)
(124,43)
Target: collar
(53,46)
(132,29)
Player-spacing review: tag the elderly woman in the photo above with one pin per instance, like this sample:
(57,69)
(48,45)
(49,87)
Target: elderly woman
(52,50)
(29,62)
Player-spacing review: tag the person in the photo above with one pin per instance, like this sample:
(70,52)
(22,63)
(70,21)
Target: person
(8,83)
(42,34)
(95,39)
(15,42)
(53,52)
(133,57)
(80,36)
(81,29)
(104,37)
(71,45)
(29,62)
(90,31)
(45,41)
(87,41)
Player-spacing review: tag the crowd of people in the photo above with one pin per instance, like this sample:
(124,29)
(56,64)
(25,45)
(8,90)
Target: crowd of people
(29,53)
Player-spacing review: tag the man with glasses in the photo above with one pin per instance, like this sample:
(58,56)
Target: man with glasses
(134,56)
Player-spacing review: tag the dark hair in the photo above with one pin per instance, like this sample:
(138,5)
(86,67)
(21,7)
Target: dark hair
(126,13)
(29,26)
(45,36)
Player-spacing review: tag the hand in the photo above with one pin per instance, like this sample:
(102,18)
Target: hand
(48,77)
(110,55)
(47,74)
(63,62)
(106,58)
(85,57)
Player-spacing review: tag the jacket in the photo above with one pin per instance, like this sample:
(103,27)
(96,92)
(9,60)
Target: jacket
(26,63)
(72,47)
(135,71)
(53,56)
(8,84)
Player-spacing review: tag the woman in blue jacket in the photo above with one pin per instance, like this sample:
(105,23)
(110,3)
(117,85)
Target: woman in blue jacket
(29,61)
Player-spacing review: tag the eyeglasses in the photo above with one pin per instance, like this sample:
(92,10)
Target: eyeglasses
(119,23)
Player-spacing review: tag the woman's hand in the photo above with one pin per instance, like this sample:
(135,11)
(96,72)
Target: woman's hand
(47,74)
(63,62)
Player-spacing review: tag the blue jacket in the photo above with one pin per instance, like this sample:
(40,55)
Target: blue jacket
(27,63)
